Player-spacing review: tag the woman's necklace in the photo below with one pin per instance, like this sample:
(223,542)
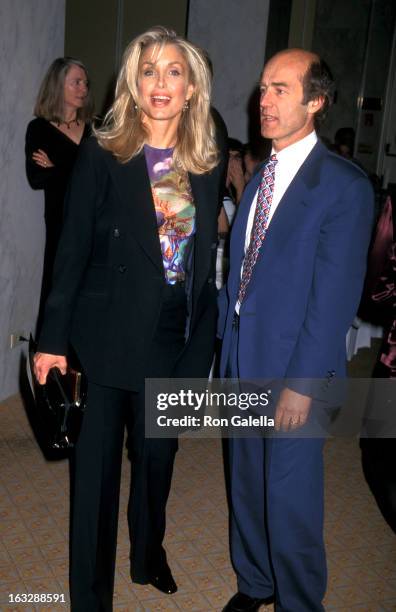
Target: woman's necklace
(68,123)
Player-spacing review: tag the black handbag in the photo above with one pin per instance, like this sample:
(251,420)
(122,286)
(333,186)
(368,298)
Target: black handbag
(60,404)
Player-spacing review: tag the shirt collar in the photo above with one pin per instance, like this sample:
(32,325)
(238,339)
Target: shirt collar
(298,150)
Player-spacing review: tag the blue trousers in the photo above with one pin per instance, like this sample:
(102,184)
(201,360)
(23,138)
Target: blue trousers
(277,504)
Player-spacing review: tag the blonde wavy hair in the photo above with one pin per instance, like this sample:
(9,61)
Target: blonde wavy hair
(123,132)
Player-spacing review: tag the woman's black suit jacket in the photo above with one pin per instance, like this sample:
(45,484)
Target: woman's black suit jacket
(109,278)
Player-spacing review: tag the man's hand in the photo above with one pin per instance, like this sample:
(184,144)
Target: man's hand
(43,362)
(235,177)
(292,410)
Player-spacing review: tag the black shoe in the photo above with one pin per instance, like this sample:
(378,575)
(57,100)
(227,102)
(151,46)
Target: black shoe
(243,603)
(163,581)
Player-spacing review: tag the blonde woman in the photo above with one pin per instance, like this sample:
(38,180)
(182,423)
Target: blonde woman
(134,294)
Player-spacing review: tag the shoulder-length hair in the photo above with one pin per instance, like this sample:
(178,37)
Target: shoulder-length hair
(49,104)
(123,132)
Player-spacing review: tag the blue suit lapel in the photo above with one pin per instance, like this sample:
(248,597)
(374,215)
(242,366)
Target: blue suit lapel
(300,195)
(298,191)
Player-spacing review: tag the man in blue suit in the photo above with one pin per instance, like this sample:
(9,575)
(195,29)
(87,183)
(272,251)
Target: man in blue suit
(298,256)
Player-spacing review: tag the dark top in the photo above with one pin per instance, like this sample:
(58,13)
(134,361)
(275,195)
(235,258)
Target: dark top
(109,280)
(62,151)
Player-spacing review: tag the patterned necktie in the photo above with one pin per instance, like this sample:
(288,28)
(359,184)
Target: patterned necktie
(263,206)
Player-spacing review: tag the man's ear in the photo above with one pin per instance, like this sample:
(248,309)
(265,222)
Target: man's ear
(315,105)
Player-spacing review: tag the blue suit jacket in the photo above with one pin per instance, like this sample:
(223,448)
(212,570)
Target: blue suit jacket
(307,281)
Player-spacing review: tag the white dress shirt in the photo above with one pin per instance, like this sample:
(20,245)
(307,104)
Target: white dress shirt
(290,159)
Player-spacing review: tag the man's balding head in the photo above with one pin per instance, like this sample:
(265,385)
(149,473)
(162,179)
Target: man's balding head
(297,55)
(294,92)
(315,75)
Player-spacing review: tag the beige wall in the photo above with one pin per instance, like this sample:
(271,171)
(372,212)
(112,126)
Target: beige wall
(31,35)
(234,34)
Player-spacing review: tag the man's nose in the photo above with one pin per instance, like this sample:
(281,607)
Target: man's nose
(265,99)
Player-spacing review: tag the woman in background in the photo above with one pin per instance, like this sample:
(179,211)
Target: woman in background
(63,111)
(134,294)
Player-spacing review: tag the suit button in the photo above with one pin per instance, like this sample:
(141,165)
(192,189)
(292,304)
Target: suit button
(122,269)
(213,245)
(116,233)
(210,281)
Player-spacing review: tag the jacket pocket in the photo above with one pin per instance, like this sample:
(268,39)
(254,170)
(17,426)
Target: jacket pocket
(95,281)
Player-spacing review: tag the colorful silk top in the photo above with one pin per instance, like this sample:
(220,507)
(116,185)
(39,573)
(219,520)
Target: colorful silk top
(175,210)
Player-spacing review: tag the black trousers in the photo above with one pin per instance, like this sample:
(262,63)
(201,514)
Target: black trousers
(379,450)
(96,474)
(53,225)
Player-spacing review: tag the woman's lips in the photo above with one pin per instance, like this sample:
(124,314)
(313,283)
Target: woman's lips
(160,100)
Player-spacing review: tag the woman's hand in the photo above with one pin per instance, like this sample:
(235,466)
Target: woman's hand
(43,362)
(41,158)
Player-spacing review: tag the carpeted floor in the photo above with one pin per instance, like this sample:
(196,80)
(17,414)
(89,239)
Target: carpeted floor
(34,527)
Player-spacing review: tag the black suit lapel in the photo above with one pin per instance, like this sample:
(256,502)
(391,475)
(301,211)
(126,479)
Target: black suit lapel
(132,183)
(202,189)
